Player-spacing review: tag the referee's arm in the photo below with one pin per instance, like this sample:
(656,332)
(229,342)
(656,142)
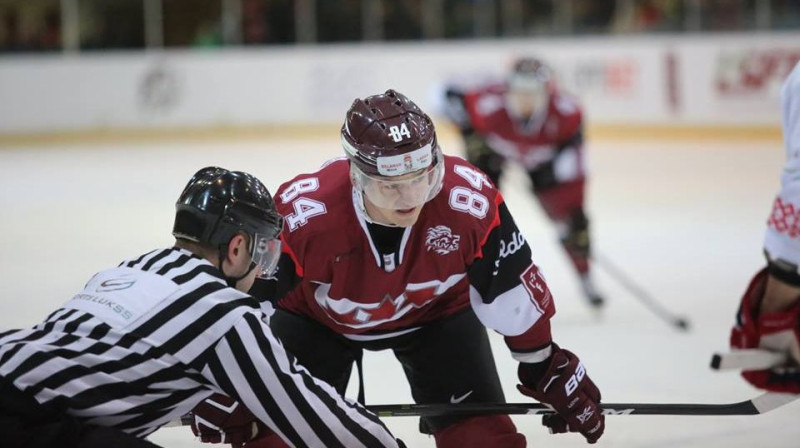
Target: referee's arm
(251,365)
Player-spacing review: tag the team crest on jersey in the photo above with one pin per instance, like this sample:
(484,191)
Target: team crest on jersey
(533,281)
(441,240)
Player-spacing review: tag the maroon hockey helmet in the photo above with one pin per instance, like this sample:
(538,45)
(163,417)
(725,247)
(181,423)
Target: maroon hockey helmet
(531,70)
(387,136)
(530,85)
(380,127)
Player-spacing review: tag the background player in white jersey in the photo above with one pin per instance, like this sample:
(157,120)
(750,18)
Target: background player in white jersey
(145,342)
(400,247)
(525,119)
(769,314)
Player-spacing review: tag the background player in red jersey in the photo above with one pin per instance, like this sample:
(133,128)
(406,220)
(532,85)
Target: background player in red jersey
(769,314)
(400,247)
(528,121)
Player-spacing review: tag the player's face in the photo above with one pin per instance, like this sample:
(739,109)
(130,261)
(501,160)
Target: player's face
(398,200)
(400,218)
(525,102)
(400,192)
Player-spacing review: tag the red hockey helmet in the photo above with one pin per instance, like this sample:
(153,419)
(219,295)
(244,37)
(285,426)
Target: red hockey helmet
(394,156)
(529,87)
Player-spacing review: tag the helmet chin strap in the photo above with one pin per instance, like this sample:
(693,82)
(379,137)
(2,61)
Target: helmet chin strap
(232,281)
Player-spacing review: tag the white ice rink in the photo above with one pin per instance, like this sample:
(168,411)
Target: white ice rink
(683,219)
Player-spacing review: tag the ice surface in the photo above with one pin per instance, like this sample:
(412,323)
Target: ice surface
(683,219)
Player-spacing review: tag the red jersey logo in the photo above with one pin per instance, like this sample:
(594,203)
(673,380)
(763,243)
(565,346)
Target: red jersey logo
(441,240)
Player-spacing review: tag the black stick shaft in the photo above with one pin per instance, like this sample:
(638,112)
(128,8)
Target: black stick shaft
(413,410)
(758,405)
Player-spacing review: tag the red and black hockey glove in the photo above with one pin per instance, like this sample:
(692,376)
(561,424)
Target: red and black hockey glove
(776,331)
(566,388)
(220,419)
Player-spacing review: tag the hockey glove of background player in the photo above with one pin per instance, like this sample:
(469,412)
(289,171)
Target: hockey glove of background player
(566,388)
(220,419)
(775,331)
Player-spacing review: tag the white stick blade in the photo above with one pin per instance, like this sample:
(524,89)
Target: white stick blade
(748,359)
(772,400)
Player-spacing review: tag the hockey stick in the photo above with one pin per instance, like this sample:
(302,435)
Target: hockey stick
(681,323)
(758,405)
(749,359)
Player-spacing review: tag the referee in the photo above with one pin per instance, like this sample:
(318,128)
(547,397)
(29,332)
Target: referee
(143,343)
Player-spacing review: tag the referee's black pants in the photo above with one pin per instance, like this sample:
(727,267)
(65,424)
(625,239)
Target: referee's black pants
(24,423)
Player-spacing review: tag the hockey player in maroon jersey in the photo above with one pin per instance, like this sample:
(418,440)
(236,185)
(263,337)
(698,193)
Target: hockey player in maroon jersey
(528,121)
(400,247)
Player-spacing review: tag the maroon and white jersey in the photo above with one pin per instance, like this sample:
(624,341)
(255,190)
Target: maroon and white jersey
(529,143)
(367,281)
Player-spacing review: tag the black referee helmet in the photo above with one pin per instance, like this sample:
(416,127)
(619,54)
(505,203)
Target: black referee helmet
(217,204)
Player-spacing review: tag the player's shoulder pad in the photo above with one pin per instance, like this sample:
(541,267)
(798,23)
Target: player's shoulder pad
(316,195)
(495,88)
(484,103)
(567,112)
(469,190)
(489,93)
(329,173)
(459,172)
(567,106)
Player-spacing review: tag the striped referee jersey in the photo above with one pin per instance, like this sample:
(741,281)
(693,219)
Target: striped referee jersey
(147,341)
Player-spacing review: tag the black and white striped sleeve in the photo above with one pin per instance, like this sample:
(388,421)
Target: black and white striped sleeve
(251,365)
